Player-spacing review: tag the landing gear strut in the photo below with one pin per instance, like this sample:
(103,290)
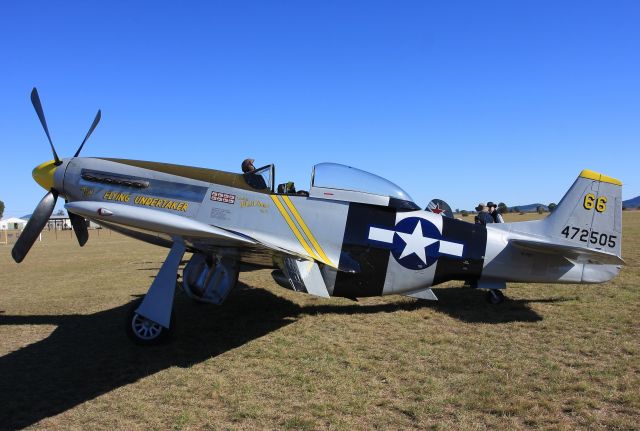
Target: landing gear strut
(205,279)
(150,320)
(495,296)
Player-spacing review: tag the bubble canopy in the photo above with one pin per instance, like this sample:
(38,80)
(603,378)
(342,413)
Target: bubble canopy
(334,176)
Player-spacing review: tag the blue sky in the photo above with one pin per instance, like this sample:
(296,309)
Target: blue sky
(466,101)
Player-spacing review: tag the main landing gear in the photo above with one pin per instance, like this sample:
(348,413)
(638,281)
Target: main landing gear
(495,296)
(205,279)
(495,289)
(146,332)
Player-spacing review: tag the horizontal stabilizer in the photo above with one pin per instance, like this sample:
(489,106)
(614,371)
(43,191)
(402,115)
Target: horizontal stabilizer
(573,252)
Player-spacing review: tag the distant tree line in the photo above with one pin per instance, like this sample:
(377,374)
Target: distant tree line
(503,209)
(1,209)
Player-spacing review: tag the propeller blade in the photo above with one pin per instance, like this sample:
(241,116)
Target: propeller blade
(93,126)
(80,228)
(35,100)
(34,226)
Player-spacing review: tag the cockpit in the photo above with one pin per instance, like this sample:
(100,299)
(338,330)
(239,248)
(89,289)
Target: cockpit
(333,181)
(261,178)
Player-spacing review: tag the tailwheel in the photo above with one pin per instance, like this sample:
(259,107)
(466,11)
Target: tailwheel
(143,331)
(495,296)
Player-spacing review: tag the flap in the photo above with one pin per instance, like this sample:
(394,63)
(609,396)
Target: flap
(305,276)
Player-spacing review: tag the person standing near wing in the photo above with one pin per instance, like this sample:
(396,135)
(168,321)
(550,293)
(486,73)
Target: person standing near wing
(493,211)
(483,216)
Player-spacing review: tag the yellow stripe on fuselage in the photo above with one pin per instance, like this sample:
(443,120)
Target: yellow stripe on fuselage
(293,227)
(306,230)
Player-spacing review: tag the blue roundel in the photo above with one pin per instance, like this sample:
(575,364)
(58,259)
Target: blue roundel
(413,260)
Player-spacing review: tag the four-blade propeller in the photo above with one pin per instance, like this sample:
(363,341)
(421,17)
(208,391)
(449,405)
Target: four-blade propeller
(43,211)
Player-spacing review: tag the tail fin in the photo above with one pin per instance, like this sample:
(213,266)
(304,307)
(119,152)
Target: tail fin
(590,214)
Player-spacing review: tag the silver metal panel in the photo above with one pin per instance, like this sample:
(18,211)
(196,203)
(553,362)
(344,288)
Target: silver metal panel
(348,196)
(312,278)
(326,221)
(599,273)
(573,252)
(285,222)
(508,262)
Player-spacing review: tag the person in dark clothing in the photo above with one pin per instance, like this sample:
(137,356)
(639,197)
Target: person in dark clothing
(288,188)
(247,166)
(493,211)
(254,180)
(483,216)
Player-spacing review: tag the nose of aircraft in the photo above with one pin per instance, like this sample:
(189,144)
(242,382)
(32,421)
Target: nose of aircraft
(43,174)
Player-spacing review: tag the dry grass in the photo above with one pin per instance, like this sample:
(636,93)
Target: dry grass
(551,357)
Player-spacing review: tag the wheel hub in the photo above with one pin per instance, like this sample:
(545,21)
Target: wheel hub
(144,328)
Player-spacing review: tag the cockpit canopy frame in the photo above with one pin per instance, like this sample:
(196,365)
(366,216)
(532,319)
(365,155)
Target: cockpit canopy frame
(345,183)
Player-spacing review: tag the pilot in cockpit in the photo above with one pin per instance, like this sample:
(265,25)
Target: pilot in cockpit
(254,180)
(247,166)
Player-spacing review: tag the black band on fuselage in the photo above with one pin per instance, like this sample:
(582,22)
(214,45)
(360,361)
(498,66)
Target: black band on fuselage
(469,267)
(372,261)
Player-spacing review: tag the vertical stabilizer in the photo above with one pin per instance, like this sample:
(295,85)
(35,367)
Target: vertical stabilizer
(590,214)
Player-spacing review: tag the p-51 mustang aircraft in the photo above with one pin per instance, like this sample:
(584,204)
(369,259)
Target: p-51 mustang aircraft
(354,235)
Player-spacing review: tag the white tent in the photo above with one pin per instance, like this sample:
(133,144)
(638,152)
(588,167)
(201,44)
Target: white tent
(12,223)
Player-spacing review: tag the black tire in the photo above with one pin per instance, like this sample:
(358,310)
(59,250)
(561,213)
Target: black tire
(145,332)
(495,296)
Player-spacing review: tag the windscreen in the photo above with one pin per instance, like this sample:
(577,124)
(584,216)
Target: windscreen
(341,177)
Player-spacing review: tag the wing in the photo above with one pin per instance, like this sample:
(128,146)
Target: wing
(142,220)
(572,252)
(155,221)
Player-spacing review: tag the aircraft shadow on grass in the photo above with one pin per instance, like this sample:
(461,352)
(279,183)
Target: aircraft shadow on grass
(89,355)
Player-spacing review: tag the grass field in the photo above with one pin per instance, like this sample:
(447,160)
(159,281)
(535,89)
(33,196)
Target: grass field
(550,357)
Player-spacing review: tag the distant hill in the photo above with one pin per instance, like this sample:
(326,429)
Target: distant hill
(529,208)
(632,203)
